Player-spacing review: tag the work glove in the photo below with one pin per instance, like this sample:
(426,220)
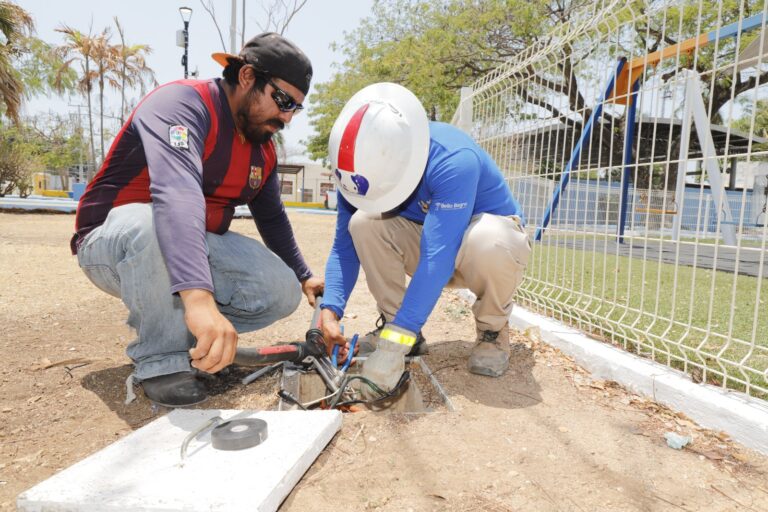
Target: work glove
(386,364)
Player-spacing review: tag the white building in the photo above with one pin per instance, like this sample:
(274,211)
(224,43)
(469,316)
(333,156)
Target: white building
(304,183)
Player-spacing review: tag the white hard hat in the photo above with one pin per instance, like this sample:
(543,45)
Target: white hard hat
(379,146)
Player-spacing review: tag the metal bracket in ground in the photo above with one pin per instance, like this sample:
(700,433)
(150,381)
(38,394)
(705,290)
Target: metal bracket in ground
(239,434)
(261,372)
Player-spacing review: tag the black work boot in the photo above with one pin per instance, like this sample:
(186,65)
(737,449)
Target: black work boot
(175,390)
(419,348)
(368,342)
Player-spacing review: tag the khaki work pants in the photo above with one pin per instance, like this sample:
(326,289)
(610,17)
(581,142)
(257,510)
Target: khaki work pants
(490,262)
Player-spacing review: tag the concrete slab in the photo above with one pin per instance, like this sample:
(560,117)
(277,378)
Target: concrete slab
(143,471)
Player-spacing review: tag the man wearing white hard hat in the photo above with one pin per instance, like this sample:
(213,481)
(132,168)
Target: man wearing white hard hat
(419,198)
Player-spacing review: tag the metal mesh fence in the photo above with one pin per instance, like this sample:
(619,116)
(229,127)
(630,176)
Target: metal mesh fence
(634,137)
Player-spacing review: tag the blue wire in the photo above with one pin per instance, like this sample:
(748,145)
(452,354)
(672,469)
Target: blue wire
(352,345)
(335,351)
(335,354)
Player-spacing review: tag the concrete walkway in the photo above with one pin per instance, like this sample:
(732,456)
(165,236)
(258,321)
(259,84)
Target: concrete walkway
(42,204)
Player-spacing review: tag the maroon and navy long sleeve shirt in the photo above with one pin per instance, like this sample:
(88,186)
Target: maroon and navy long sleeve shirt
(180,151)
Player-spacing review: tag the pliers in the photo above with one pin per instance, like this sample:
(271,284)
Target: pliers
(335,354)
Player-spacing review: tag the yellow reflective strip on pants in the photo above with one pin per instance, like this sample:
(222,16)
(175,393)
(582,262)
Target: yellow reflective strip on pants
(397,337)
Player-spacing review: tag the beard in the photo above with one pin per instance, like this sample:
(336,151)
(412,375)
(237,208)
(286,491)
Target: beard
(256,132)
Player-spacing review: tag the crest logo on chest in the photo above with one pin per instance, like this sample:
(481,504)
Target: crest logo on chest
(255,177)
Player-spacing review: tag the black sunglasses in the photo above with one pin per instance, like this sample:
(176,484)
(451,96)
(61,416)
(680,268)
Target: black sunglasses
(284,101)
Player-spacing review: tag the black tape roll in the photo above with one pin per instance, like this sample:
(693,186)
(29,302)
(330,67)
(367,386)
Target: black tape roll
(239,434)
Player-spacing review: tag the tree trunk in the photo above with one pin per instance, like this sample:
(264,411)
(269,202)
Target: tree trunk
(92,170)
(64,177)
(122,95)
(123,63)
(101,112)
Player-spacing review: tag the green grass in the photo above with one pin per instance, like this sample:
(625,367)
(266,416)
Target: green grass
(700,321)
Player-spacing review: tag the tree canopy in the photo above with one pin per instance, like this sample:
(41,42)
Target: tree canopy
(15,25)
(433,48)
(84,63)
(97,64)
(436,47)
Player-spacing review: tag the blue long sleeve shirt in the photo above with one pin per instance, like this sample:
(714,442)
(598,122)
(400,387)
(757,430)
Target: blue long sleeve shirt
(460,180)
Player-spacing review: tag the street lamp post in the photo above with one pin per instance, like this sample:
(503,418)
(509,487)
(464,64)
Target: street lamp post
(186,15)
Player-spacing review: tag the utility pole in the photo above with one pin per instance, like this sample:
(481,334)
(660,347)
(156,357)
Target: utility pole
(242,23)
(233,30)
(80,170)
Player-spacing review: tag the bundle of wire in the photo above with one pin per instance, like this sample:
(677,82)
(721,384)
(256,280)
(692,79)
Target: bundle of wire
(378,395)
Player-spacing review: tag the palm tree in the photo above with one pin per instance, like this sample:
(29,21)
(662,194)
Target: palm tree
(78,48)
(15,24)
(132,68)
(105,60)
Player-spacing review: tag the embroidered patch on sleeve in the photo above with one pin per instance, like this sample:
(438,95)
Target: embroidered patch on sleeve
(179,136)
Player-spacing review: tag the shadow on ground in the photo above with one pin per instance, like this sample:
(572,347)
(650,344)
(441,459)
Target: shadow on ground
(516,389)
(109,385)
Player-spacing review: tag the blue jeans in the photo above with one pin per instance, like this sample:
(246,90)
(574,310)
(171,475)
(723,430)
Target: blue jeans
(253,287)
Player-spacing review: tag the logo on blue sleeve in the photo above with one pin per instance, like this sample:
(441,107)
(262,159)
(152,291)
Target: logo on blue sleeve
(450,206)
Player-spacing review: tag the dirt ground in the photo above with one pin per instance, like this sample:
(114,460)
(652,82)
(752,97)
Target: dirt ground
(543,437)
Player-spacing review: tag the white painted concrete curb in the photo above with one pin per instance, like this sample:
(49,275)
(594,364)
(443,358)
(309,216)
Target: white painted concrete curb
(742,417)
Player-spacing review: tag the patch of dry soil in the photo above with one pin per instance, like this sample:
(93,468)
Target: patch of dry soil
(543,437)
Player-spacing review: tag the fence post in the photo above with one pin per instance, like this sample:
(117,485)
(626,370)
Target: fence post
(464,121)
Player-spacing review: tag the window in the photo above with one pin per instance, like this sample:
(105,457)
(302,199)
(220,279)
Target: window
(286,187)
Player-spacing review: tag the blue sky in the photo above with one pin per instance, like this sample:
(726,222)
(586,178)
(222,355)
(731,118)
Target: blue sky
(155,22)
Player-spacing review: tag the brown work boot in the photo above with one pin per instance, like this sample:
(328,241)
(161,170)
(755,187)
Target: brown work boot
(367,344)
(490,355)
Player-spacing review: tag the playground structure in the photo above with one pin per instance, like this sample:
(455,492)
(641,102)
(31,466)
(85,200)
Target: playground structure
(646,197)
